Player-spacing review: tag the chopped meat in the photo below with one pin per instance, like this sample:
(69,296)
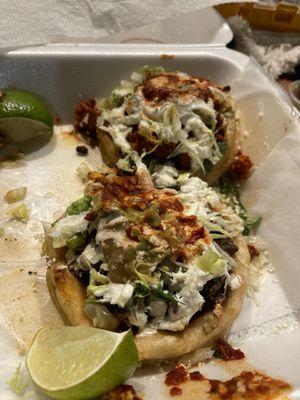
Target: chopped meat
(226,352)
(86,113)
(228,245)
(213,293)
(122,392)
(240,168)
(183,161)
(164,150)
(177,376)
(252,251)
(175,391)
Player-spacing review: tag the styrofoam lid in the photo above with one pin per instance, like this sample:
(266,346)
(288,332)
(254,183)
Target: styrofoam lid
(205,26)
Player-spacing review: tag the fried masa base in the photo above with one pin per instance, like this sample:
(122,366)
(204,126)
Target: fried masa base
(69,295)
(111,153)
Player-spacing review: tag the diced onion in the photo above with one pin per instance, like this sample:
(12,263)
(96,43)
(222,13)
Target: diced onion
(83,171)
(20,213)
(15,195)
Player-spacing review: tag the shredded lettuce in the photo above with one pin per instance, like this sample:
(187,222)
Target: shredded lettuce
(76,240)
(212,262)
(64,228)
(164,295)
(147,72)
(97,278)
(80,205)
(113,293)
(231,190)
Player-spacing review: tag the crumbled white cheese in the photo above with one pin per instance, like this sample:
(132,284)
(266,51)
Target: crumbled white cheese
(200,200)
(165,176)
(115,293)
(191,300)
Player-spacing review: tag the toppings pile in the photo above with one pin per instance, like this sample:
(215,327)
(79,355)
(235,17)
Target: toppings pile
(164,117)
(151,258)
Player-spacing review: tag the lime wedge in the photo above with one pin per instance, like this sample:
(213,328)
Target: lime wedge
(70,363)
(23,116)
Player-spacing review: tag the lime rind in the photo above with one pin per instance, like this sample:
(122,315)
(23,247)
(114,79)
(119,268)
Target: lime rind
(21,130)
(117,365)
(17,103)
(23,116)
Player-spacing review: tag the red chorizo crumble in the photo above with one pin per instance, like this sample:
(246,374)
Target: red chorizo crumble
(129,190)
(177,376)
(158,210)
(226,352)
(168,202)
(164,86)
(91,216)
(252,385)
(140,144)
(122,392)
(196,376)
(249,385)
(252,251)
(175,391)
(240,168)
